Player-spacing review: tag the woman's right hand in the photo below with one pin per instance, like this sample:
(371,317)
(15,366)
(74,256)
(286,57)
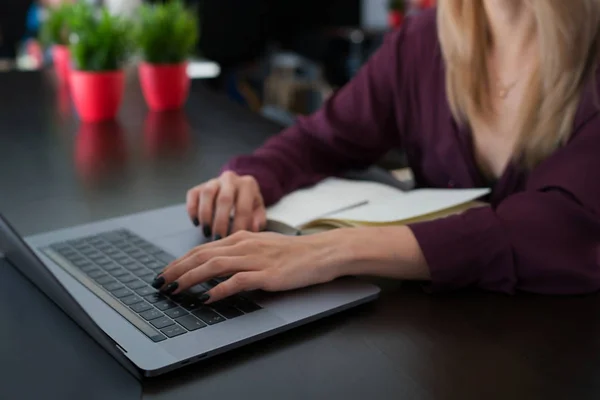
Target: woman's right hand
(213,203)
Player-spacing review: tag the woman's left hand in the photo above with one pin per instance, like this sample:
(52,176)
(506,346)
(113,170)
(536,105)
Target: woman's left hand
(266,261)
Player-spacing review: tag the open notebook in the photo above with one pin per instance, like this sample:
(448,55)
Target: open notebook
(337,203)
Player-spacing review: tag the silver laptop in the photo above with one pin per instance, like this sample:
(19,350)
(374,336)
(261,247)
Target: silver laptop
(100,275)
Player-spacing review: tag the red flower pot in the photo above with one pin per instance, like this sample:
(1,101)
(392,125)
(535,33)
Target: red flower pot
(62,60)
(97,95)
(395,18)
(165,86)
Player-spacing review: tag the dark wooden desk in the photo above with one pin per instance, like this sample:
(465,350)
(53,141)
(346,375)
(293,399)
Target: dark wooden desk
(407,345)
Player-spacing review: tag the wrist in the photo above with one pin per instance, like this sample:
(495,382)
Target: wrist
(382,251)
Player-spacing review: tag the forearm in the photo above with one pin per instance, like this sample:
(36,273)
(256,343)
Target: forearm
(390,252)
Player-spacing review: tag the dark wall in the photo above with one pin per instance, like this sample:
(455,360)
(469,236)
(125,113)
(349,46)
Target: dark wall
(235,31)
(13,16)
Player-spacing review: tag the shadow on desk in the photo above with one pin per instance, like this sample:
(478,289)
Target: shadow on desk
(408,345)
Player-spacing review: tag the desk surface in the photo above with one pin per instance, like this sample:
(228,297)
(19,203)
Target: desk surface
(55,172)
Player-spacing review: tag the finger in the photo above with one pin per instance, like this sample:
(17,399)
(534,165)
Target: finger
(240,282)
(196,258)
(201,254)
(206,206)
(223,207)
(243,207)
(259,220)
(192,201)
(215,267)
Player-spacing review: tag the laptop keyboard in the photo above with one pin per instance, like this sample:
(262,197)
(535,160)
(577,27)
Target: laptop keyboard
(118,266)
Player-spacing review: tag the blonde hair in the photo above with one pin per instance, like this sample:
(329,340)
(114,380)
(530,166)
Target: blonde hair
(568,35)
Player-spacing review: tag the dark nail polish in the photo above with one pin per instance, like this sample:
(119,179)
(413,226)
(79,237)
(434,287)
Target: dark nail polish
(204,298)
(207,231)
(217,237)
(196,222)
(171,287)
(158,282)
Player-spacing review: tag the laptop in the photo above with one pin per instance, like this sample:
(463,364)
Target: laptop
(99,274)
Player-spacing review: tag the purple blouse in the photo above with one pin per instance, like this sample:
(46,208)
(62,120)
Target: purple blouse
(542,231)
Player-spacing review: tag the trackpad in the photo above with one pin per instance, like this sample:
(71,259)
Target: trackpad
(181,242)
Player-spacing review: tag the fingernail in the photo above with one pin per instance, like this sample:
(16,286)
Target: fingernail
(171,287)
(207,231)
(217,237)
(158,282)
(196,222)
(204,298)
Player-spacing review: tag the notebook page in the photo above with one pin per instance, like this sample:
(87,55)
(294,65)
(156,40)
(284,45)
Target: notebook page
(325,198)
(412,204)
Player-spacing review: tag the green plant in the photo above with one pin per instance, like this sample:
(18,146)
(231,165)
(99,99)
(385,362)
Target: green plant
(55,29)
(99,40)
(166,33)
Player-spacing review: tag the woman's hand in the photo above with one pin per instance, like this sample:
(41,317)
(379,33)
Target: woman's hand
(266,261)
(275,262)
(214,202)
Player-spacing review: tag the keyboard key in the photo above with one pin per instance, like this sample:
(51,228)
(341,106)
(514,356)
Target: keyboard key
(142,272)
(134,267)
(226,310)
(96,274)
(164,257)
(111,251)
(154,298)
(121,292)
(129,300)
(190,303)
(173,331)
(135,252)
(120,257)
(151,314)
(126,262)
(144,258)
(158,338)
(81,263)
(153,264)
(148,278)
(145,291)
(141,307)
(111,266)
(162,322)
(96,255)
(127,278)
(103,261)
(190,322)
(105,280)
(113,286)
(207,315)
(136,284)
(119,272)
(175,312)
(244,304)
(89,268)
(164,305)
(114,236)
(138,241)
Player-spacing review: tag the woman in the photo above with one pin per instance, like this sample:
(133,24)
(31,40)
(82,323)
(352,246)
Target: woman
(498,93)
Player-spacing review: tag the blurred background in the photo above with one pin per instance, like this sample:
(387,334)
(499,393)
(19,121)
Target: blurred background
(279,58)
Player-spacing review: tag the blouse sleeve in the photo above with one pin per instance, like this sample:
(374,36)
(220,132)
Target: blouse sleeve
(545,239)
(354,128)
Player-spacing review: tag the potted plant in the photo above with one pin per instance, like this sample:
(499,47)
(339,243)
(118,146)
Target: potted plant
(397,8)
(54,33)
(165,35)
(100,44)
